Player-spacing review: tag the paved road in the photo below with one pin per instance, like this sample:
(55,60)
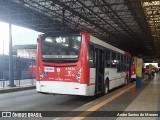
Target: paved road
(30,100)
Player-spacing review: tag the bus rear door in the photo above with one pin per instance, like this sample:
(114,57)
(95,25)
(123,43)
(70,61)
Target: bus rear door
(99,57)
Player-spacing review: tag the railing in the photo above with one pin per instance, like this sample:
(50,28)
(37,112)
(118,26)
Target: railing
(19,83)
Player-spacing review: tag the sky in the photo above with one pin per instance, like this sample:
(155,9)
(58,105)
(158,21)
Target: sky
(20,36)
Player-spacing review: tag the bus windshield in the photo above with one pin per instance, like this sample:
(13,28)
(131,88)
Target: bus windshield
(61,48)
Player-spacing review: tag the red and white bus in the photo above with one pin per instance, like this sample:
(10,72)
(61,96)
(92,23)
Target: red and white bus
(32,69)
(79,64)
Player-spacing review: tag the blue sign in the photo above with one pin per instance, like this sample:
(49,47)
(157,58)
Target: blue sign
(46,74)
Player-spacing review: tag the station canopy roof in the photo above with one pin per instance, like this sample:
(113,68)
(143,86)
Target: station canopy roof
(131,25)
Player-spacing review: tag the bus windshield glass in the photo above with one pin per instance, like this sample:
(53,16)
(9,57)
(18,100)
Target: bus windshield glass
(61,47)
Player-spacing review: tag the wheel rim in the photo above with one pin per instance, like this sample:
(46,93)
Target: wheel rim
(106,89)
(126,81)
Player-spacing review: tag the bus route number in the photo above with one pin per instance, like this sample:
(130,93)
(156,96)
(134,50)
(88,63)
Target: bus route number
(70,68)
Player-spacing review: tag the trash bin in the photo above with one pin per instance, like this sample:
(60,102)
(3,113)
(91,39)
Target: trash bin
(138,82)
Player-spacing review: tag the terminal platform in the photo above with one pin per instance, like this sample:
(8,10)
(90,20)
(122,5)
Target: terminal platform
(20,85)
(125,103)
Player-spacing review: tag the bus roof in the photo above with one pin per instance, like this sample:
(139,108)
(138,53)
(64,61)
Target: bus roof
(104,44)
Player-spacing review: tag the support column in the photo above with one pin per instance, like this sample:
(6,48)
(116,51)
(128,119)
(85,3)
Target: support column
(11,80)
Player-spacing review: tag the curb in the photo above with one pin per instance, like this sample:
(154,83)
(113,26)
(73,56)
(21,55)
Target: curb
(16,89)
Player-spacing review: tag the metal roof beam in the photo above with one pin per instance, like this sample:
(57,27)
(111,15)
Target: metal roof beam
(80,15)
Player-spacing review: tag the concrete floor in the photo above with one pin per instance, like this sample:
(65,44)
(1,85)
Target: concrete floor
(145,100)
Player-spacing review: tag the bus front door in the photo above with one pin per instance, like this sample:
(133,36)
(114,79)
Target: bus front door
(99,57)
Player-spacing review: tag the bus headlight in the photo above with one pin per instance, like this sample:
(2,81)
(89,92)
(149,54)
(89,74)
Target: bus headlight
(78,75)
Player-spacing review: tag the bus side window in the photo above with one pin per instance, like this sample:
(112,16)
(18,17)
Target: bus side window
(108,58)
(127,63)
(113,60)
(122,62)
(91,56)
(118,62)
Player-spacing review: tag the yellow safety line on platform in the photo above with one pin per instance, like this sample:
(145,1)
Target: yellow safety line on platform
(96,107)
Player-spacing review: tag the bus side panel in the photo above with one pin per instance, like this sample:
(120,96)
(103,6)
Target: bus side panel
(115,78)
(83,56)
(92,81)
(38,58)
(111,72)
(121,78)
(88,74)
